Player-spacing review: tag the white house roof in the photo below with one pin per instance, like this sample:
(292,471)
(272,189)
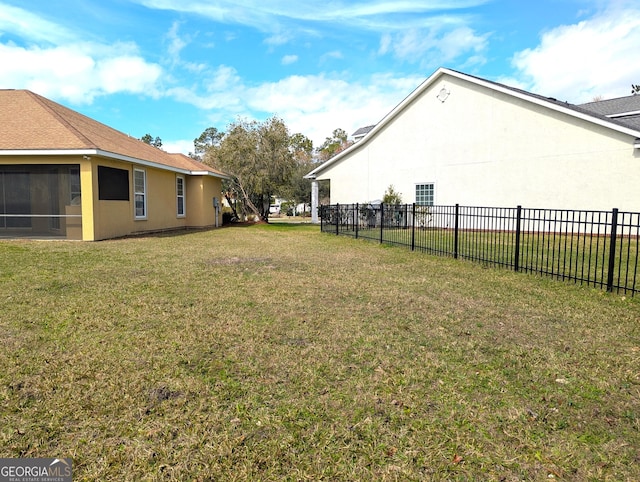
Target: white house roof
(601,114)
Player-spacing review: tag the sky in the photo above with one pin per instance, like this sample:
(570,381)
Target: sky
(173,68)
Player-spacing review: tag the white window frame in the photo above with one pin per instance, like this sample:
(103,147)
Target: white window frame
(74,172)
(433,193)
(142,194)
(180,197)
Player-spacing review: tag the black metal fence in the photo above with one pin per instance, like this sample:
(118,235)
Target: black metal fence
(596,248)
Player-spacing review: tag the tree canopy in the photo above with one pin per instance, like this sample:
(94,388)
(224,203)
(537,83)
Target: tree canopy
(391,196)
(259,158)
(149,139)
(211,137)
(333,145)
(264,160)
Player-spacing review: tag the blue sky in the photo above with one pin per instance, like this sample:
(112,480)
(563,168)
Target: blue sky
(172,68)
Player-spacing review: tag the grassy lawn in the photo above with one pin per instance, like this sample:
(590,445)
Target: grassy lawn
(280,353)
(566,256)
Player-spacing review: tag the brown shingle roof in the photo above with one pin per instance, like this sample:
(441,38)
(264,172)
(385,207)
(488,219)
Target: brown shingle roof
(31,122)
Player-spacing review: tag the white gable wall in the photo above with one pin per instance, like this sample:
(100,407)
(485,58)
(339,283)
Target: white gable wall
(483,147)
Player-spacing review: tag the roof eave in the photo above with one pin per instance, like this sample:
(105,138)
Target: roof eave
(108,155)
(209,173)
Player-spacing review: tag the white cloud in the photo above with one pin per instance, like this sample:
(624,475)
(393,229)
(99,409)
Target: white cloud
(220,89)
(314,105)
(65,67)
(273,16)
(73,73)
(183,146)
(289,59)
(435,46)
(597,56)
(280,38)
(309,104)
(176,43)
(25,24)
(334,54)
(127,74)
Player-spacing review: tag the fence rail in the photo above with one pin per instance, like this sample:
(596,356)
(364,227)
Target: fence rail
(596,248)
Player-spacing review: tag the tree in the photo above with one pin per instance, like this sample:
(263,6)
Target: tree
(334,145)
(211,137)
(635,89)
(148,139)
(259,158)
(391,196)
(299,189)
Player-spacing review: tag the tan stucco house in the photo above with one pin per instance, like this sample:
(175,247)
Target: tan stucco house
(64,175)
(462,139)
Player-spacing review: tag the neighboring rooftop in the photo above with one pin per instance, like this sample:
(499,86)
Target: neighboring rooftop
(30,122)
(621,105)
(363,131)
(623,109)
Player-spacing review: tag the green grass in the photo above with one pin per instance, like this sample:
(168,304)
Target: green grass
(275,352)
(567,256)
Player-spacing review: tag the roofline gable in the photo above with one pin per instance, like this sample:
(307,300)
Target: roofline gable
(44,127)
(569,109)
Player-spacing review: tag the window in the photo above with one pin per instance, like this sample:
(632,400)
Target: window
(140,193)
(113,184)
(425,194)
(180,196)
(74,185)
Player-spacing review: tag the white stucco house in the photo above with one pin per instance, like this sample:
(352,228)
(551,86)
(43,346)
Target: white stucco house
(462,139)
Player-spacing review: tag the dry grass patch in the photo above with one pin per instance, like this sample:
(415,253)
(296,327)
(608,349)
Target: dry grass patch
(279,353)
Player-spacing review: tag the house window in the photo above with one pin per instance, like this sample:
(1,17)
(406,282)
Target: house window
(113,184)
(425,194)
(74,185)
(140,193)
(180,196)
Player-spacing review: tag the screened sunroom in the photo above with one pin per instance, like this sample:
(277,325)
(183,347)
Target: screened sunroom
(40,201)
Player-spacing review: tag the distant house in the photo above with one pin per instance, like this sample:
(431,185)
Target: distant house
(361,132)
(462,139)
(64,175)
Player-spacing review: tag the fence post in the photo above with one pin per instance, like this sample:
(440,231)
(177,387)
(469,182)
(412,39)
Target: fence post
(612,249)
(413,227)
(321,212)
(516,255)
(381,222)
(356,217)
(337,218)
(455,231)
(406,216)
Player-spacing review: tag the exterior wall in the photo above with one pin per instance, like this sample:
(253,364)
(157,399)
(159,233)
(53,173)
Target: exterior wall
(103,219)
(483,147)
(200,191)
(117,218)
